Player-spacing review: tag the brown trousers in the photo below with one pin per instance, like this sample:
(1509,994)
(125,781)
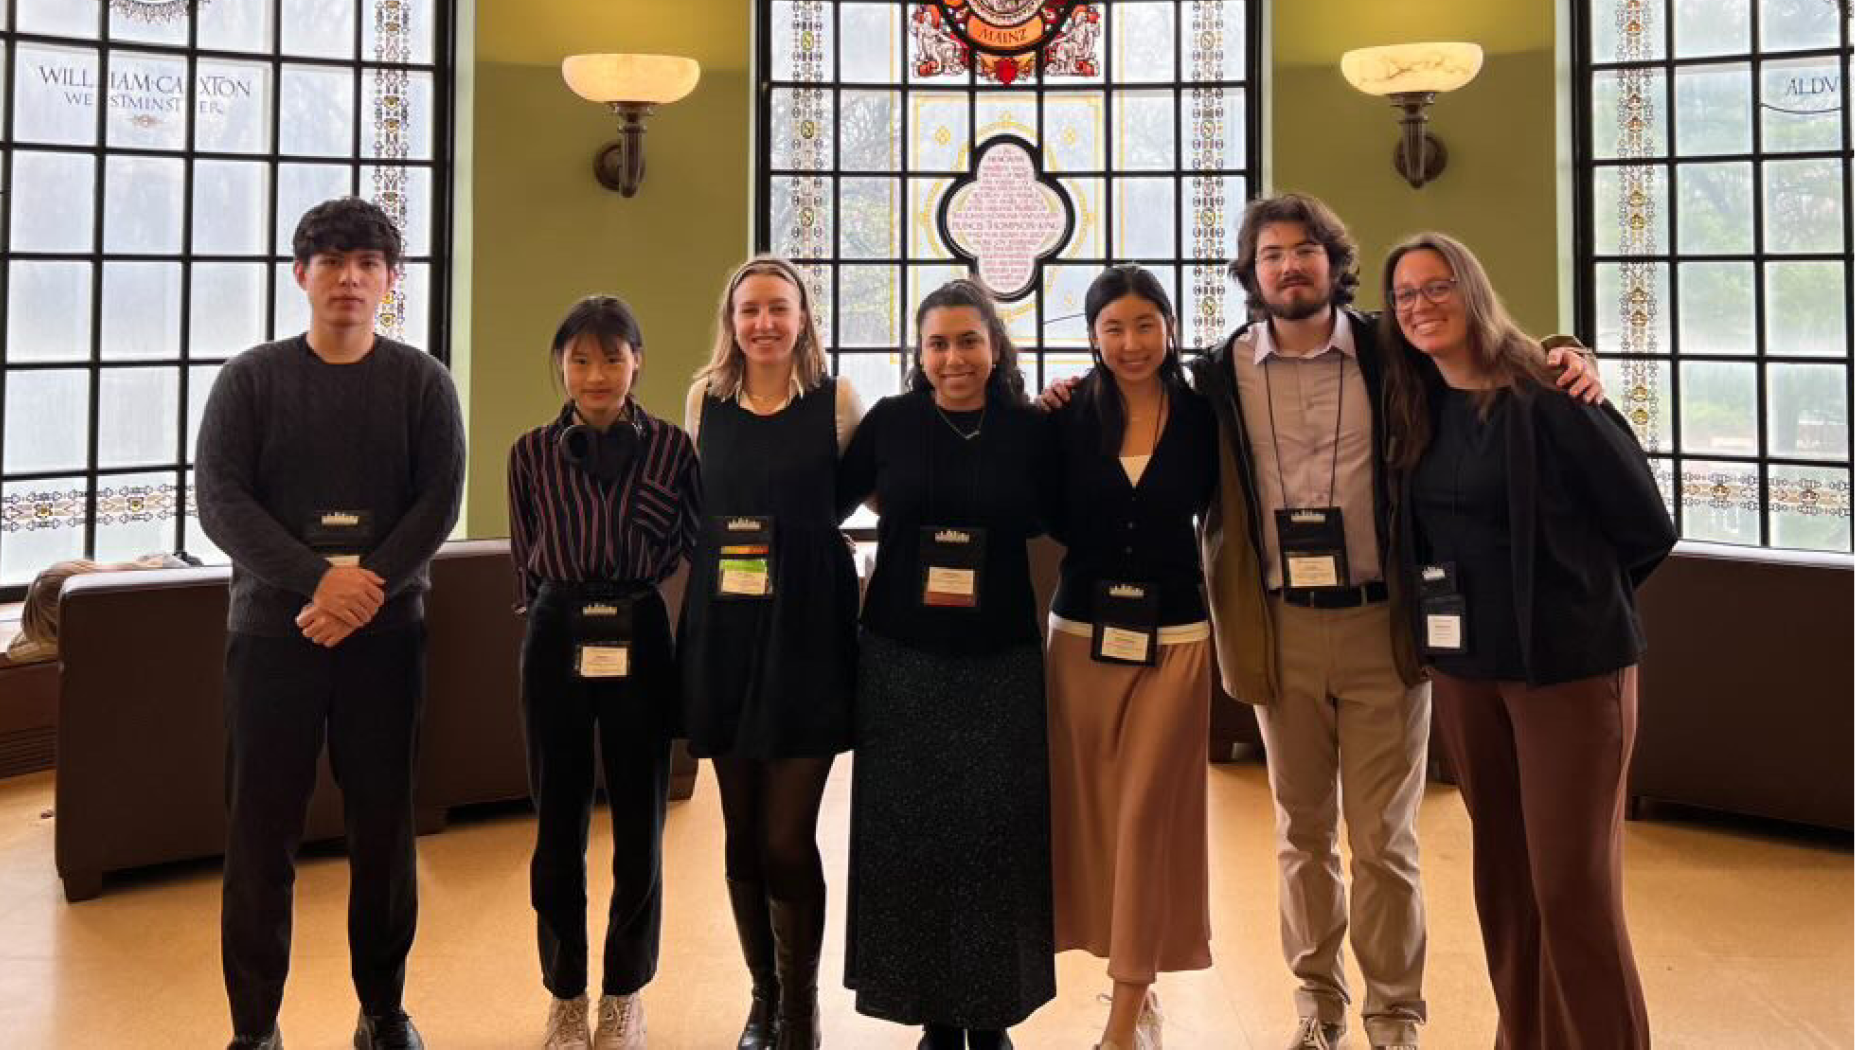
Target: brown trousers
(1542,771)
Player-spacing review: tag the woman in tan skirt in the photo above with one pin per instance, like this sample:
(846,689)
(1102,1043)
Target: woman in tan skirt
(1129,664)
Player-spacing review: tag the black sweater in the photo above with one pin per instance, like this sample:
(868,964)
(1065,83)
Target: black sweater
(1587,527)
(286,435)
(924,474)
(1119,531)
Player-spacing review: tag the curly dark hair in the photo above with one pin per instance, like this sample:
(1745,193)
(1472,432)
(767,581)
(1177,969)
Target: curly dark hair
(347,224)
(1006,380)
(1322,225)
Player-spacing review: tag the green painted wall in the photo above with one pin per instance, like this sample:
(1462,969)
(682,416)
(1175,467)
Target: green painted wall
(538,232)
(541,233)
(1499,193)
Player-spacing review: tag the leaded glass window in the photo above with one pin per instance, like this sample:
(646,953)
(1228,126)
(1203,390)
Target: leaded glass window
(155,156)
(1714,250)
(897,152)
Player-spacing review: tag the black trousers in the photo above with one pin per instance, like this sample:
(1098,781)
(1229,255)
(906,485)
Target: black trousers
(282,696)
(563,714)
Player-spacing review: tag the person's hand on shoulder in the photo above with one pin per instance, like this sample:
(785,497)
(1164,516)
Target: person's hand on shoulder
(1058,394)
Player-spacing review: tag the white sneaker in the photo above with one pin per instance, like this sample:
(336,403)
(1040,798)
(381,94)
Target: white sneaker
(1147,1027)
(621,1023)
(567,1025)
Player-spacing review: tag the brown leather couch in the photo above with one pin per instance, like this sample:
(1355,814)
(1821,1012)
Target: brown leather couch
(1745,692)
(141,738)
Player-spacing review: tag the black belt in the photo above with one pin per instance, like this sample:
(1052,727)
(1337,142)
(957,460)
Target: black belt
(1350,598)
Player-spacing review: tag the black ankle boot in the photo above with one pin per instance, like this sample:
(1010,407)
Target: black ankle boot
(798,933)
(755,928)
(988,1039)
(942,1037)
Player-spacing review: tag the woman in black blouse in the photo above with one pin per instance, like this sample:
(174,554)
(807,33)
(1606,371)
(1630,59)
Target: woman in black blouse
(603,502)
(1525,523)
(949,904)
(1130,659)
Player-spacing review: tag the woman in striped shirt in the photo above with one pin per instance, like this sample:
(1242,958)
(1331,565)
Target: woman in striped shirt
(603,502)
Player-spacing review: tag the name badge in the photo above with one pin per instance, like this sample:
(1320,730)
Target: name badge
(953,566)
(341,537)
(1313,545)
(602,631)
(744,557)
(1446,615)
(1126,628)
(602,661)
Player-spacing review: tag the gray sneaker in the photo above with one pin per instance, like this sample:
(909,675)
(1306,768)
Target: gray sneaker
(1311,1033)
(567,1026)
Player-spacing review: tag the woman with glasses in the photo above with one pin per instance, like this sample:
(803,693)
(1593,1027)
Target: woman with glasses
(1525,521)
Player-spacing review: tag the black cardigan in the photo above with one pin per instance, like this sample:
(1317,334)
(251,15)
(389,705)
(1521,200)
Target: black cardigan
(1588,526)
(922,474)
(1116,530)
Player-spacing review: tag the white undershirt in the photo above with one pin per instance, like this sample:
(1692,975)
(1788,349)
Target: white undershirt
(1134,467)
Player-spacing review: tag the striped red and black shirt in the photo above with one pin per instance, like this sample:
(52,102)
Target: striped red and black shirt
(567,526)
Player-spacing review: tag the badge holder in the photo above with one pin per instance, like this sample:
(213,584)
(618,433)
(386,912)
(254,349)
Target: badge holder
(1313,543)
(340,537)
(953,566)
(1127,624)
(602,632)
(1446,616)
(744,558)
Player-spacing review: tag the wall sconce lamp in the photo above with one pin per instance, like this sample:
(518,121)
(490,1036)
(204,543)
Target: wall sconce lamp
(633,85)
(1412,76)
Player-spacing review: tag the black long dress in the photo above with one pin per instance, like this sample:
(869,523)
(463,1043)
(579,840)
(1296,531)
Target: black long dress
(772,677)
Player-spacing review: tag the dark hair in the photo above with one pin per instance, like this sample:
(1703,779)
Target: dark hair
(605,318)
(1099,389)
(347,224)
(1509,357)
(1323,226)
(1006,380)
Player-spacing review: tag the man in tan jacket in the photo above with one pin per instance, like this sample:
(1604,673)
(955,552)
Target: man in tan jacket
(1308,624)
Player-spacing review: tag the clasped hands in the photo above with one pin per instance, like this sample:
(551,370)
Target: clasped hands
(346,598)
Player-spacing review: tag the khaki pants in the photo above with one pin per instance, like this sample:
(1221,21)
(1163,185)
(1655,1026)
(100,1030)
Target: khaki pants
(1347,738)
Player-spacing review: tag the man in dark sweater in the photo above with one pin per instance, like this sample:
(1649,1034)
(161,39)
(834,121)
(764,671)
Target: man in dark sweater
(329,469)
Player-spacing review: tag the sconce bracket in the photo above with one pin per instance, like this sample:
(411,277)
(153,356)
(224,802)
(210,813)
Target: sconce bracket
(619,164)
(1419,156)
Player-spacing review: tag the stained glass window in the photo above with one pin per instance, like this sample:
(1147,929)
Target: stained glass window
(1031,141)
(155,157)
(1715,238)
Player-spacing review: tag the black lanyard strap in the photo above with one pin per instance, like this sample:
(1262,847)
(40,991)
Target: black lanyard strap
(1340,395)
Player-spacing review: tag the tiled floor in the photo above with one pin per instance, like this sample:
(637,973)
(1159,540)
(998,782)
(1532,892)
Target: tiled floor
(1743,933)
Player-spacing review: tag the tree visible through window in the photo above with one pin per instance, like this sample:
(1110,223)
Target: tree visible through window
(155,156)
(1032,141)
(1715,239)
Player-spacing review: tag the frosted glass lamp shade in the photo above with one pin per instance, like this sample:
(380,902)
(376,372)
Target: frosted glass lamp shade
(649,79)
(1402,68)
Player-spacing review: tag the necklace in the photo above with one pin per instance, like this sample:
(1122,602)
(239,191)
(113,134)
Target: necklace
(962,434)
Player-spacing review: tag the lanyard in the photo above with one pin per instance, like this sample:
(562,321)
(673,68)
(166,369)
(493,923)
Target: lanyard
(1340,394)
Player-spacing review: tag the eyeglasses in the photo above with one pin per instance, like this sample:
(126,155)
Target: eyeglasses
(1274,258)
(1434,292)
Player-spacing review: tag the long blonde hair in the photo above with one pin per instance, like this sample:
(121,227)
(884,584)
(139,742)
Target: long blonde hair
(727,365)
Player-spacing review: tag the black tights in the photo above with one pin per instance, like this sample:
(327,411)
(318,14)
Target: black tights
(770,810)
